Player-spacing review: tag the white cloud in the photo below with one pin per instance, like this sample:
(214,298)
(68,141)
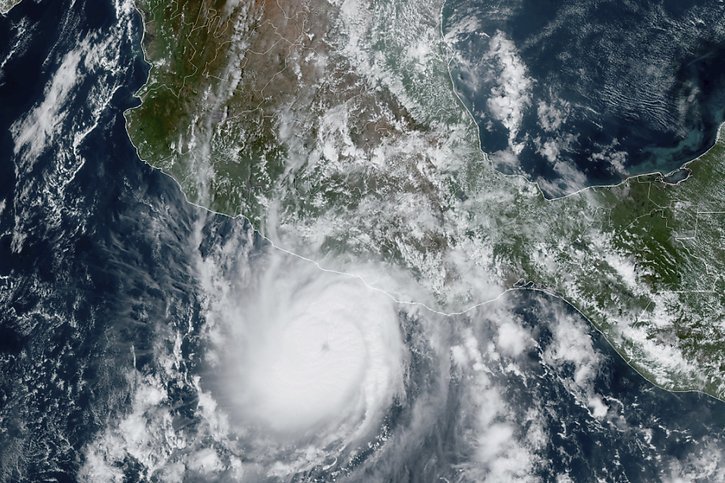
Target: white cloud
(512,338)
(572,346)
(500,452)
(41,125)
(510,95)
(705,463)
(552,115)
(615,158)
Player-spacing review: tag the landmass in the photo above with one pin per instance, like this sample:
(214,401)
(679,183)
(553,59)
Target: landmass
(336,131)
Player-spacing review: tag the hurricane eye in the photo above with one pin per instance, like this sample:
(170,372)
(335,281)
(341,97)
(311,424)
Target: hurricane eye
(307,352)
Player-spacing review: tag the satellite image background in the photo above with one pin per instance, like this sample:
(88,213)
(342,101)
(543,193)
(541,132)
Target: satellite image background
(337,281)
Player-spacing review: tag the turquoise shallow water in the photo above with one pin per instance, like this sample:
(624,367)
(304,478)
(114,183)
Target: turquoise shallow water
(588,93)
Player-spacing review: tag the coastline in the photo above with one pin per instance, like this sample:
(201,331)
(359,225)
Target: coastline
(547,290)
(684,165)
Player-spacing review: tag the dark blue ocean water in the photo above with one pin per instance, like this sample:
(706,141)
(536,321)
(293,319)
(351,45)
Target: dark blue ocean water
(606,88)
(100,266)
(646,428)
(96,269)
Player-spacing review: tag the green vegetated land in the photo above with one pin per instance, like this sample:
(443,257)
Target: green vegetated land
(672,236)
(193,102)
(248,103)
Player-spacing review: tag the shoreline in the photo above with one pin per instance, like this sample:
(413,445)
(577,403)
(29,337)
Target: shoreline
(449,56)
(390,295)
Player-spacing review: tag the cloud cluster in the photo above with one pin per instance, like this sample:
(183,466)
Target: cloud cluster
(306,352)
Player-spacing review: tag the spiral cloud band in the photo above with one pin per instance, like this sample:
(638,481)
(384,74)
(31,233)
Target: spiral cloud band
(309,354)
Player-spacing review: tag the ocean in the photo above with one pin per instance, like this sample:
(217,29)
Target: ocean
(105,317)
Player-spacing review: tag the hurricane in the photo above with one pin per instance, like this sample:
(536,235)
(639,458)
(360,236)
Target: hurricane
(306,354)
